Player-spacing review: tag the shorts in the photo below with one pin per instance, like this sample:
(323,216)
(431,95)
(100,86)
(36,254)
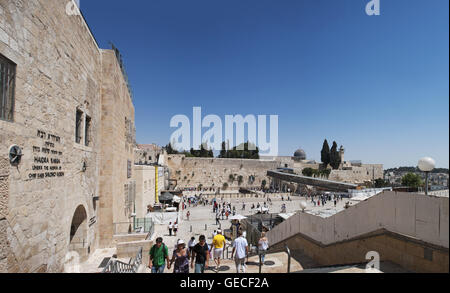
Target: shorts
(218,253)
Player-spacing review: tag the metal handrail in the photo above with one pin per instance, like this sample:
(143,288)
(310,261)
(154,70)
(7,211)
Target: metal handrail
(115,266)
(285,249)
(288,251)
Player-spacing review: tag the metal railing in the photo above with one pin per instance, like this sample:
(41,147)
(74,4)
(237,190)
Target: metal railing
(138,225)
(285,249)
(115,266)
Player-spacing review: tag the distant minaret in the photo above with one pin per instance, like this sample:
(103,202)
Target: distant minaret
(341,154)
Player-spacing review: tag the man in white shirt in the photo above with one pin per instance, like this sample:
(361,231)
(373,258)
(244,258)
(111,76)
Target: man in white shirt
(240,246)
(191,244)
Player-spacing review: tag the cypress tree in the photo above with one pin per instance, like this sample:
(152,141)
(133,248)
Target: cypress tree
(325,153)
(335,159)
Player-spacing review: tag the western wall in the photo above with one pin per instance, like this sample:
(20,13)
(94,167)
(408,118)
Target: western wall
(215,172)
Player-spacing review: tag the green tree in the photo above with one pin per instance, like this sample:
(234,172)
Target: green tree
(263,184)
(170,150)
(412,180)
(223,152)
(335,158)
(325,153)
(380,183)
(246,153)
(326,173)
(308,172)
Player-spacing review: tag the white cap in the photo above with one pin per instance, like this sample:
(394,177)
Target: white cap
(180,241)
(219,231)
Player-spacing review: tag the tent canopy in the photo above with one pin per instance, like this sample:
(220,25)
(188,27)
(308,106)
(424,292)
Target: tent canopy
(237,217)
(167,196)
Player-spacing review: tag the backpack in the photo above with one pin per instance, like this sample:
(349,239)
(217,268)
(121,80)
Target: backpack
(152,251)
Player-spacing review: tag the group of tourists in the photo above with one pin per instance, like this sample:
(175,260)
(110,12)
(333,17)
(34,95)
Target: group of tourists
(223,211)
(173,228)
(322,200)
(197,255)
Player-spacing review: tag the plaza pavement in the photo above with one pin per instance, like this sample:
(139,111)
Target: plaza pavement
(202,216)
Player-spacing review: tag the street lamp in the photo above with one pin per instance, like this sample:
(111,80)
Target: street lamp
(426,165)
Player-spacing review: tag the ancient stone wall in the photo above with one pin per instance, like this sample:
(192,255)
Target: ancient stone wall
(117,194)
(58,65)
(358,175)
(145,188)
(49,197)
(213,172)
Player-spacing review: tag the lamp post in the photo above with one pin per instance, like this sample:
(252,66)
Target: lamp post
(426,165)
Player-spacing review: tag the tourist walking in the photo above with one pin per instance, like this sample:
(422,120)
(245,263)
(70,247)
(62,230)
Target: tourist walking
(201,254)
(263,246)
(218,244)
(170,228)
(188,214)
(159,253)
(175,228)
(180,258)
(217,219)
(240,247)
(191,244)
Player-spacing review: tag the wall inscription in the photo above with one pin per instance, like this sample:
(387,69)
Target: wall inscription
(47,157)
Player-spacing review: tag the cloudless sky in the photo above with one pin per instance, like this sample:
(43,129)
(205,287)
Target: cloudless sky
(378,85)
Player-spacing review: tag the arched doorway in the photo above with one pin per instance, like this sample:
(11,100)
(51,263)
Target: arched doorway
(79,232)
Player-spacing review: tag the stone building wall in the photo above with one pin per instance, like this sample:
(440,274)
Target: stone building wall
(213,172)
(4,191)
(145,188)
(58,65)
(48,215)
(117,151)
(358,175)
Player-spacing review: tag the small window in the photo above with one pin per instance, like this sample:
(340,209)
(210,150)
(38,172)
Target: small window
(7,88)
(78,124)
(87,131)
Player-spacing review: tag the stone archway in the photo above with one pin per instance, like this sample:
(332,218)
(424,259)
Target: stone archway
(78,241)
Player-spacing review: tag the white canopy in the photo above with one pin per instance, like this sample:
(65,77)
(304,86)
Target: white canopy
(237,217)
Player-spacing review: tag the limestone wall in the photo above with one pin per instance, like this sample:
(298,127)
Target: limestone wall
(60,70)
(418,216)
(214,172)
(145,188)
(58,65)
(117,152)
(367,172)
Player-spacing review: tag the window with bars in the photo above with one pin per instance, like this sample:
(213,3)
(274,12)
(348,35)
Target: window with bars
(78,124)
(87,131)
(7,88)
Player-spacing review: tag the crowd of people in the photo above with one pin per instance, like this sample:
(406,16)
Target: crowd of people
(323,199)
(197,255)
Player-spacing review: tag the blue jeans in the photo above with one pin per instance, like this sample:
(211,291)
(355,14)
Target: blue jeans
(158,270)
(199,268)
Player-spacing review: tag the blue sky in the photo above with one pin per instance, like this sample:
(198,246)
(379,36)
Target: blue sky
(377,85)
